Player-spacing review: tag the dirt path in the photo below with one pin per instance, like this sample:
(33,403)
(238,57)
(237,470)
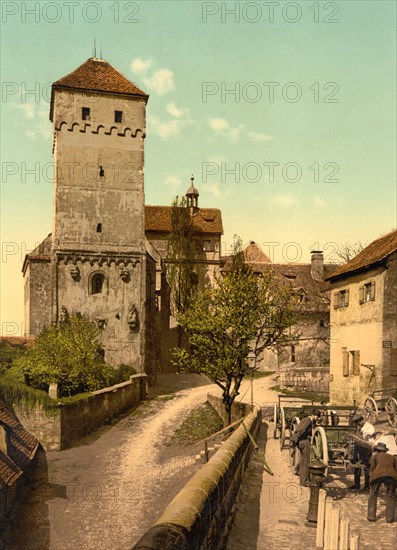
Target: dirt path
(109,490)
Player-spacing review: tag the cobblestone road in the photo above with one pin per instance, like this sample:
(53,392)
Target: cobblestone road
(272,509)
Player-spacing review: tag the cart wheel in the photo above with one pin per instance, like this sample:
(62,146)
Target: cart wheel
(275,419)
(282,428)
(370,410)
(391,409)
(319,447)
(294,451)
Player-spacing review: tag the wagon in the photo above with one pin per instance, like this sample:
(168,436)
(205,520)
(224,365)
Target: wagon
(381,400)
(329,440)
(287,415)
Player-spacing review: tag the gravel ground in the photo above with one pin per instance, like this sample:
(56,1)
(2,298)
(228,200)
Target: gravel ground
(109,490)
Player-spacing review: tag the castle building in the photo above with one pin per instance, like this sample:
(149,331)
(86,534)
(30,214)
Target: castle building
(94,261)
(106,254)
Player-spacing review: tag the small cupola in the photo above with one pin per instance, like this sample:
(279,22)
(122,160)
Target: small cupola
(192,196)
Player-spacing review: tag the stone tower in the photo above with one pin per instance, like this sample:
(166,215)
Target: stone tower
(98,260)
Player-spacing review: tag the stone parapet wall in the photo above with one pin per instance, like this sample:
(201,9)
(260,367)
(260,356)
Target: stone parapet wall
(62,426)
(200,516)
(239,409)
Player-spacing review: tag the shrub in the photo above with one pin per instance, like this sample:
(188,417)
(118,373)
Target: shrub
(67,354)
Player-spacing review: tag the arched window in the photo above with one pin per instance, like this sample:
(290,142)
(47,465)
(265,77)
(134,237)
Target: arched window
(99,228)
(97,283)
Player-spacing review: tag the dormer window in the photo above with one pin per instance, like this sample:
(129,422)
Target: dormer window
(118,116)
(86,113)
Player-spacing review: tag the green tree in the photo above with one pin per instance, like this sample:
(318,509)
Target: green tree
(68,354)
(242,312)
(181,276)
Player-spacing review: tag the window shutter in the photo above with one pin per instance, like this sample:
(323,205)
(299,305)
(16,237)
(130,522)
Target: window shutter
(347,297)
(336,300)
(345,358)
(361,294)
(393,362)
(373,290)
(356,363)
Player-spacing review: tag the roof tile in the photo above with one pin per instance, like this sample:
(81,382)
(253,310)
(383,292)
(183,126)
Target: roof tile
(98,75)
(374,253)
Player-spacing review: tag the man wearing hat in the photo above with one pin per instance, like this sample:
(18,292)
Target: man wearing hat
(389,439)
(383,470)
(361,456)
(302,439)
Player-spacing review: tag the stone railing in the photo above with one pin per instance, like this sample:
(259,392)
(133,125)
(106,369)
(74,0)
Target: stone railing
(61,426)
(201,514)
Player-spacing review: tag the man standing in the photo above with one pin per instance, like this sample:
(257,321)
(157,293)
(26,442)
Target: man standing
(383,470)
(361,456)
(302,439)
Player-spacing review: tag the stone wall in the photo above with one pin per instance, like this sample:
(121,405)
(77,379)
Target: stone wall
(239,409)
(201,514)
(306,379)
(61,427)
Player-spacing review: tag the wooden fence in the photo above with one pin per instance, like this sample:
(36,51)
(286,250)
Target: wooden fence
(333,530)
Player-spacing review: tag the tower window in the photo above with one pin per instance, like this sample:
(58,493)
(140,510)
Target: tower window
(118,116)
(97,283)
(99,228)
(86,113)
(101,172)
(293,356)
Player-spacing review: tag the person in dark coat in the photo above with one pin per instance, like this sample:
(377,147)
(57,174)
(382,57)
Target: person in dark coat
(302,439)
(361,455)
(383,470)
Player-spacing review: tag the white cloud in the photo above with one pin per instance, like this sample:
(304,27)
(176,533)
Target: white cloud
(319,202)
(222,127)
(170,128)
(28,108)
(284,201)
(140,66)
(257,136)
(161,81)
(173,110)
(215,189)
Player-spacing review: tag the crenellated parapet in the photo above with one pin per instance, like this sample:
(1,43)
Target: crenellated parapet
(87,127)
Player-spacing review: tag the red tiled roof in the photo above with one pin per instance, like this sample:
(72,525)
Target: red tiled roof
(373,254)
(206,220)
(98,75)
(25,341)
(21,447)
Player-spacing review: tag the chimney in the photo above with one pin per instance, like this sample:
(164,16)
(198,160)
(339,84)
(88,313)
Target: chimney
(317,270)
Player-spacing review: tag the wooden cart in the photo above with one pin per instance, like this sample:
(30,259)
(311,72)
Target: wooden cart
(381,400)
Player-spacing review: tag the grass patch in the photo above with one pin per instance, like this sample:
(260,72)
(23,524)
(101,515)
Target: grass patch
(310,396)
(201,423)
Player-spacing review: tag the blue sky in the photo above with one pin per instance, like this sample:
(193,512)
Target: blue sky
(236,92)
